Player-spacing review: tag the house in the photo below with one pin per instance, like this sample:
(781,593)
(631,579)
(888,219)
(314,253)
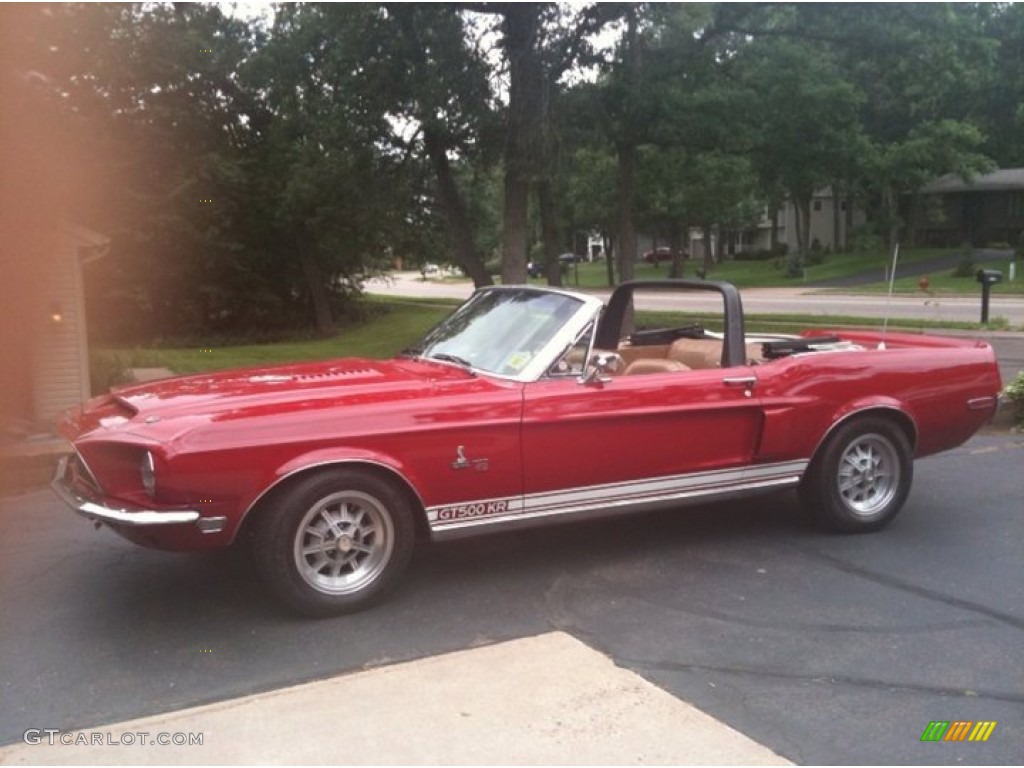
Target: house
(831,223)
(987,209)
(46,365)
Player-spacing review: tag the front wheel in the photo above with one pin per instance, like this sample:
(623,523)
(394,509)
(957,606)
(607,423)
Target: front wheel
(335,542)
(860,479)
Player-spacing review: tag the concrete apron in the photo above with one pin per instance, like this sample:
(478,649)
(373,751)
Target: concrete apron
(548,699)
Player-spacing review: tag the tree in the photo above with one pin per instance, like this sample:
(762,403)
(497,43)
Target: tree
(443,87)
(806,127)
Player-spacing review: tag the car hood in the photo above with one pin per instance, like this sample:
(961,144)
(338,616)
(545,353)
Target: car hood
(162,409)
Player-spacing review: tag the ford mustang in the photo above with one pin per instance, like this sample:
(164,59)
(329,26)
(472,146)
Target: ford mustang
(527,406)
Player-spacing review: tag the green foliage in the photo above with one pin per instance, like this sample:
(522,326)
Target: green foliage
(865,239)
(387,327)
(1014,393)
(794,265)
(965,267)
(343,136)
(107,368)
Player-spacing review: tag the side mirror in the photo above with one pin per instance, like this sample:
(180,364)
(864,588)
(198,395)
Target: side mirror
(600,366)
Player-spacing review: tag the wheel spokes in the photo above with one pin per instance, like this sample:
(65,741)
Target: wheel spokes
(868,474)
(343,542)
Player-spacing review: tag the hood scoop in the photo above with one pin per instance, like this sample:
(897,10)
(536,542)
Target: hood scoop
(338,373)
(329,375)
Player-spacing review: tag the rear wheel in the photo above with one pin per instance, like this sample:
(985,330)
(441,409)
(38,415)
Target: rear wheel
(335,542)
(861,477)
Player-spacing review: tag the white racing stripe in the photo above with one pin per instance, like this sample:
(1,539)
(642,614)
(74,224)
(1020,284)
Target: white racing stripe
(612,496)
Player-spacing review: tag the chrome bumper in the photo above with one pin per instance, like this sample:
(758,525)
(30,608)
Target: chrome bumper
(105,514)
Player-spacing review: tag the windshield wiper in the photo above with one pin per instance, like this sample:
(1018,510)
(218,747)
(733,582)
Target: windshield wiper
(445,357)
(411,352)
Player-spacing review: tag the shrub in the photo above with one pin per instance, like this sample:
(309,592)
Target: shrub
(816,256)
(107,369)
(966,267)
(794,265)
(1014,393)
(864,239)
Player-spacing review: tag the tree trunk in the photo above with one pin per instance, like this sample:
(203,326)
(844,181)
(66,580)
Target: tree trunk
(514,239)
(802,209)
(837,232)
(609,259)
(627,194)
(913,219)
(455,211)
(892,216)
(626,147)
(849,217)
(775,227)
(675,241)
(520,26)
(318,295)
(709,254)
(549,231)
(807,224)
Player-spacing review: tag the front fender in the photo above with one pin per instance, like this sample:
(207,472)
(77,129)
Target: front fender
(328,457)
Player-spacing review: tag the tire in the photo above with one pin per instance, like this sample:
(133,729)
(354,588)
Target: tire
(860,478)
(334,542)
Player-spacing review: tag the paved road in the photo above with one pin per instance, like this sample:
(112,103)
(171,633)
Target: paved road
(766,301)
(827,649)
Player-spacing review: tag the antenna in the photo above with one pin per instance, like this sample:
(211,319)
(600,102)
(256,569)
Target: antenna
(888,298)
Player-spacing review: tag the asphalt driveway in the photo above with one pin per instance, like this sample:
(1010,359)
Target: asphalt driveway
(827,649)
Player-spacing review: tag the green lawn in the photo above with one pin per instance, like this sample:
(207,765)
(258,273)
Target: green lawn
(759,274)
(757,323)
(944,284)
(397,323)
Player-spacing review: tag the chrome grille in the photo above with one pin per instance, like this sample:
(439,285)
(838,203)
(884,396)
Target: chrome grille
(78,476)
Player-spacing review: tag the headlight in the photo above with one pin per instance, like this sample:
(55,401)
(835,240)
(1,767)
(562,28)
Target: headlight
(148,473)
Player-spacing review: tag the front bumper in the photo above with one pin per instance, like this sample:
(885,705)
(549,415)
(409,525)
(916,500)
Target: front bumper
(134,517)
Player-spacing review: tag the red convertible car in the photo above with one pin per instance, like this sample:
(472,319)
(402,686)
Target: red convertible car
(527,406)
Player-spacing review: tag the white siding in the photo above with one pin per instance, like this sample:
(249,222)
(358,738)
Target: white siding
(60,365)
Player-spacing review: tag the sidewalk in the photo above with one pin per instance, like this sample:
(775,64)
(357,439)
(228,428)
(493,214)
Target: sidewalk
(548,699)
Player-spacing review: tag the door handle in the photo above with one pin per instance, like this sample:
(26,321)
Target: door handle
(745,382)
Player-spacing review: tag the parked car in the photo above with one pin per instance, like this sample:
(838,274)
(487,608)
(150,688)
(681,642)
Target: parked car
(536,268)
(658,255)
(527,406)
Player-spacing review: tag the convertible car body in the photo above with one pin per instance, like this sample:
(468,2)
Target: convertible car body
(526,406)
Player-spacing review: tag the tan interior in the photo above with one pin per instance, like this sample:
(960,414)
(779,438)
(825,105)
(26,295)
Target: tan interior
(629,353)
(653,365)
(691,354)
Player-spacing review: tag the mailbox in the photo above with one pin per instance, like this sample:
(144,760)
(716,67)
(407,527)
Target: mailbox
(989,276)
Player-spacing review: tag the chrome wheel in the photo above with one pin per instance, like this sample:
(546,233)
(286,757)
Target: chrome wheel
(860,478)
(343,543)
(869,474)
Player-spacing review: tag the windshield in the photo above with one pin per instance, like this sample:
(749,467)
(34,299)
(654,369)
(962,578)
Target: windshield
(500,331)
